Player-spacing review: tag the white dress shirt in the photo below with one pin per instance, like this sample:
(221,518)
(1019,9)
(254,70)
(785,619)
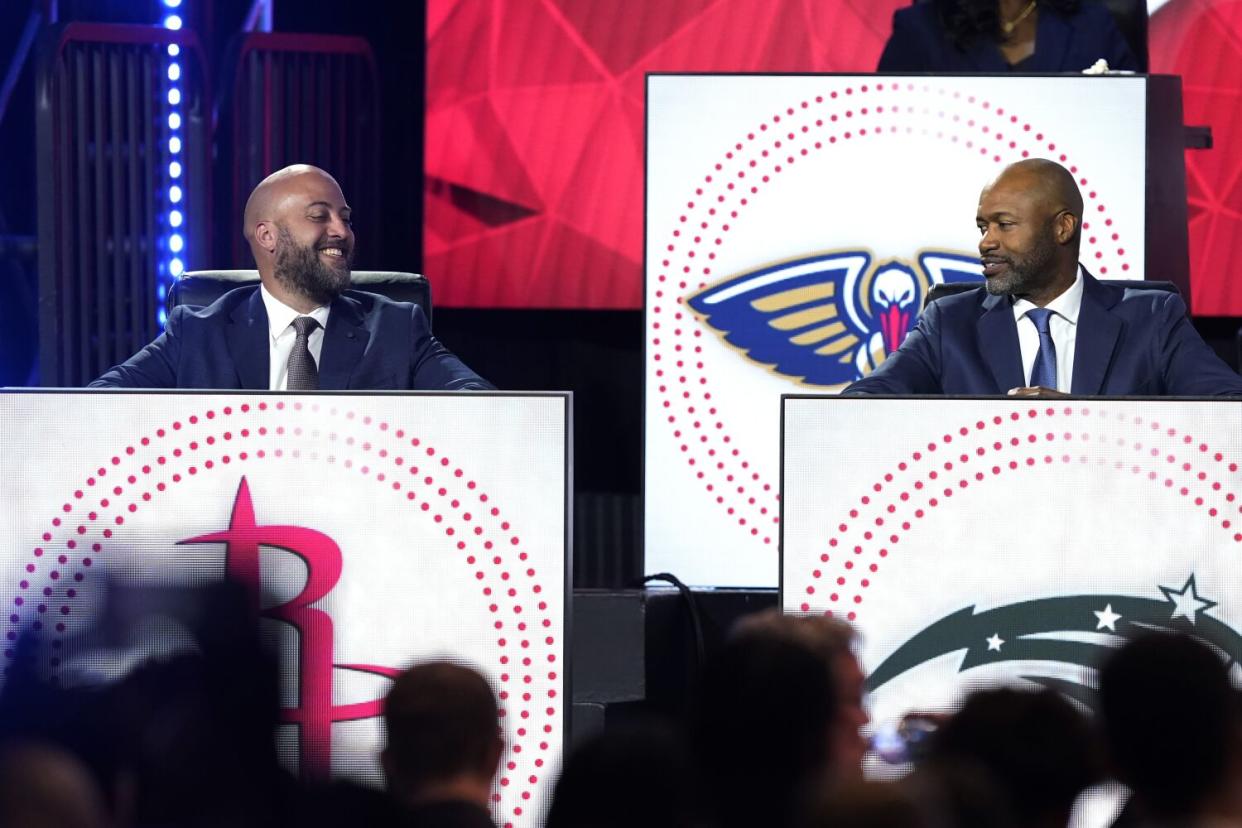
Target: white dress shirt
(281,336)
(1062,324)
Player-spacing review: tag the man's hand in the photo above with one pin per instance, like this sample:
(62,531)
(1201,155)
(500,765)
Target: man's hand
(1035,391)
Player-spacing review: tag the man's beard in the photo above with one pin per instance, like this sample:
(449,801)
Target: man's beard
(301,270)
(1026,274)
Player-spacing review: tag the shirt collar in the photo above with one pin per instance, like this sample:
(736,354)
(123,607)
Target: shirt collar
(280,315)
(1066,305)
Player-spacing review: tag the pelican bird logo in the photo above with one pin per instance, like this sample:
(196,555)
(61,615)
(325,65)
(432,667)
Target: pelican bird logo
(829,319)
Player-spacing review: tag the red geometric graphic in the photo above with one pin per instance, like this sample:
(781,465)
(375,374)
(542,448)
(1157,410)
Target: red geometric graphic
(1201,40)
(535,130)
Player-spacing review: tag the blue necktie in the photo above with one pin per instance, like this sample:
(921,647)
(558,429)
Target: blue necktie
(1044,371)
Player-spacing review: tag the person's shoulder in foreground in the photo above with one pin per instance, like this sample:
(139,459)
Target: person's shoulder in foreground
(1127,340)
(300,232)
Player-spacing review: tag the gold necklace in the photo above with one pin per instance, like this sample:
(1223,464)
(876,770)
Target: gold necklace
(1007,27)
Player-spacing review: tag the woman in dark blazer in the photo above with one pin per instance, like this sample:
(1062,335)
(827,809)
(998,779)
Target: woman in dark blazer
(1004,36)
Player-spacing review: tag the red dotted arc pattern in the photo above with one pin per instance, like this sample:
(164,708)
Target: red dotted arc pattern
(865,111)
(952,464)
(399,462)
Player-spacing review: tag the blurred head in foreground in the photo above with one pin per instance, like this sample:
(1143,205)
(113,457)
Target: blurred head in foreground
(764,725)
(1170,721)
(42,786)
(444,740)
(1036,747)
(626,776)
(833,641)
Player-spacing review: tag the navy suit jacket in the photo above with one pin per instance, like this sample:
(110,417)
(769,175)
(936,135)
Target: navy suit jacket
(1062,44)
(370,343)
(1130,342)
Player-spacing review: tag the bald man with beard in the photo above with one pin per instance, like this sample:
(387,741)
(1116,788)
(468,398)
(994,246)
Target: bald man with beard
(302,327)
(1042,326)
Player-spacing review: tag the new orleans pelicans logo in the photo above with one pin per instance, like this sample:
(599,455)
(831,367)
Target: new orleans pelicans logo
(1073,630)
(829,319)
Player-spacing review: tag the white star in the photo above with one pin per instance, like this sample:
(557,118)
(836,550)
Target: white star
(1186,603)
(995,642)
(1108,618)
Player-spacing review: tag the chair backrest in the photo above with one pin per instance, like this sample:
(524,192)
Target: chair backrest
(200,288)
(121,173)
(950,288)
(298,98)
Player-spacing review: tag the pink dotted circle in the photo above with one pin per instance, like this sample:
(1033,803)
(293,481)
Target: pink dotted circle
(859,112)
(1017,443)
(455,503)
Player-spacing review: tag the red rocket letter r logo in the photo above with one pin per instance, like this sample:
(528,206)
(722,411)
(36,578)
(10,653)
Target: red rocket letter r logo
(315,711)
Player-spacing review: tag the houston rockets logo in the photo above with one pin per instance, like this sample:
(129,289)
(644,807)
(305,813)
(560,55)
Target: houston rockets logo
(1052,631)
(316,710)
(830,319)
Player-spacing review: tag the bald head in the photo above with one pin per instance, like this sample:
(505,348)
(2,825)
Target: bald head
(1029,219)
(268,198)
(300,233)
(1050,186)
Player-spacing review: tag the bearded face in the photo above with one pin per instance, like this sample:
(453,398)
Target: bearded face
(318,271)
(1022,266)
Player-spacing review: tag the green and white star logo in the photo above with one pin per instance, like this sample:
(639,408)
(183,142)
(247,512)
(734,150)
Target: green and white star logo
(1062,629)
(1187,603)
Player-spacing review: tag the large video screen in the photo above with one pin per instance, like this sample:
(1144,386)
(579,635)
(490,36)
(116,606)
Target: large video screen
(376,530)
(795,224)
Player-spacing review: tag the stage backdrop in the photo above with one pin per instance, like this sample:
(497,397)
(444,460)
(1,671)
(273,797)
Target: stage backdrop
(975,542)
(386,529)
(794,226)
(535,113)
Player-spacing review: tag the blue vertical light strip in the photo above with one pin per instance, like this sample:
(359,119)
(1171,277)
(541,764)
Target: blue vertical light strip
(173,249)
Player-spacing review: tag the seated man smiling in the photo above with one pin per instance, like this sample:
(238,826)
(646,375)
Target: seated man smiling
(302,328)
(1042,325)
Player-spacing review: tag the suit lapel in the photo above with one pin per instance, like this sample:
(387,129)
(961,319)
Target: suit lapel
(344,343)
(1098,332)
(998,343)
(247,338)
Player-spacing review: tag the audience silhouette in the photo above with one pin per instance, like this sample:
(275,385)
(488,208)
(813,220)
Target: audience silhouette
(141,734)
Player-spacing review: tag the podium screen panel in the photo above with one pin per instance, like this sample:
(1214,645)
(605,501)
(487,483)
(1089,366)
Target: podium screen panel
(794,225)
(984,542)
(375,530)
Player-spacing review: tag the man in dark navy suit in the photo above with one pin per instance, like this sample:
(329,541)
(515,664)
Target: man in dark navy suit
(302,328)
(1042,325)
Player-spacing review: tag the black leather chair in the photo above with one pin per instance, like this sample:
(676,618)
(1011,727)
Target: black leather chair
(199,288)
(950,288)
